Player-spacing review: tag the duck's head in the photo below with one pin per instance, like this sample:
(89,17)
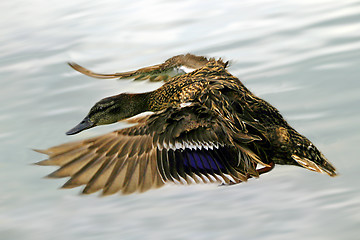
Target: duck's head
(109,110)
(298,150)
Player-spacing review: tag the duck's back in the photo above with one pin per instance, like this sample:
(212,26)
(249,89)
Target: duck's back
(191,86)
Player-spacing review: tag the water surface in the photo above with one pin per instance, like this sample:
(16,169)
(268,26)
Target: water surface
(301,56)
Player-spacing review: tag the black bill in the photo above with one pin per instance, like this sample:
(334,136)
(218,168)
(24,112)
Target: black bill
(84,124)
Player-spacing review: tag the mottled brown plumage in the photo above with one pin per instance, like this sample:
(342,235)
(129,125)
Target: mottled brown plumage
(206,127)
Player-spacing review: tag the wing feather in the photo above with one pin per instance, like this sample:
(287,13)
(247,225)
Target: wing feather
(98,181)
(155,73)
(193,149)
(84,175)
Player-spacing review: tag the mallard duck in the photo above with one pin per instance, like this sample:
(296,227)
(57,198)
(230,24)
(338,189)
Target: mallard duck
(205,126)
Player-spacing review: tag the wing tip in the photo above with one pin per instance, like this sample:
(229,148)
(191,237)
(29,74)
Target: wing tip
(42,151)
(46,162)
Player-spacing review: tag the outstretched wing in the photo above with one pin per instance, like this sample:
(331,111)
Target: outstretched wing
(181,145)
(159,72)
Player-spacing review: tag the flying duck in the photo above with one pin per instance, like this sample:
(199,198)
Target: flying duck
(205,127)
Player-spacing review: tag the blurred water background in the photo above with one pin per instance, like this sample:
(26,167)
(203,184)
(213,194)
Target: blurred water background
(302,56)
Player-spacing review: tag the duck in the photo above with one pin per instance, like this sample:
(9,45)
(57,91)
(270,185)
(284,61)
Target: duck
(203,126)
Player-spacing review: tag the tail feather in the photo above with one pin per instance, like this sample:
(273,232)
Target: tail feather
(326,167)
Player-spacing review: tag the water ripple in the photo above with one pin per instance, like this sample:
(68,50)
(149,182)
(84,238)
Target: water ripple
(302,56)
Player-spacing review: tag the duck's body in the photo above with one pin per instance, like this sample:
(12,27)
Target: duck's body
(206,127)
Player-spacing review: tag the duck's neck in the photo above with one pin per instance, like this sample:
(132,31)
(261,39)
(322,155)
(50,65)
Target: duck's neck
(134,103)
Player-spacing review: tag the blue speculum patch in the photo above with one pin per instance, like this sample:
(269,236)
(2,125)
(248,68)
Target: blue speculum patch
(202,160)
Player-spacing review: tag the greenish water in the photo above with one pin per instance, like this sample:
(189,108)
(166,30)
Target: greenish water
(301,56)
